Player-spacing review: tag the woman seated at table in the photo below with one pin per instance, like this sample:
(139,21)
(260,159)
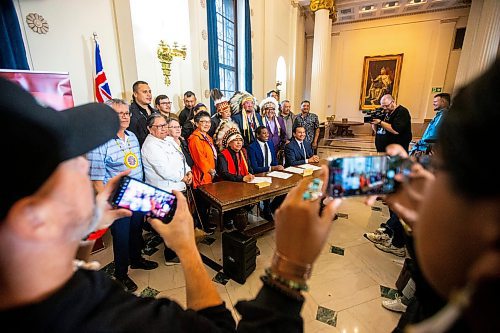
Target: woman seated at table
(204,156)
(233,165)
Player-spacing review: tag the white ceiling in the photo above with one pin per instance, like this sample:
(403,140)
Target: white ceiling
(355,10)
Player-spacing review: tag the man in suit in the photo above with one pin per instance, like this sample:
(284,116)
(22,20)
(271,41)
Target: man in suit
(299,151)
(257,153)
(262,158)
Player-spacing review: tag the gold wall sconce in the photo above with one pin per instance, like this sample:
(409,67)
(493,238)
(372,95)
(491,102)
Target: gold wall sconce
(166,54)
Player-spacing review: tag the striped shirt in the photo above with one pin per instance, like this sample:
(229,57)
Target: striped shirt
(107,161)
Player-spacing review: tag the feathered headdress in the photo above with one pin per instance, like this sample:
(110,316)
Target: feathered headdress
(268,100)
(224,132)
(220,101)
(238,99)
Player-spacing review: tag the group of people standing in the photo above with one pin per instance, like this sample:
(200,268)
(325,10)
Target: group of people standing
(192,148)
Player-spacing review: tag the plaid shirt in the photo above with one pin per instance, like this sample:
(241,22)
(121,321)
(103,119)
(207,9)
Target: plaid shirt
(310,122)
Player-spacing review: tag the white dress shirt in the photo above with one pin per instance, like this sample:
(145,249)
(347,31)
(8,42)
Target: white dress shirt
(263,147)
(164,163)
(301,144)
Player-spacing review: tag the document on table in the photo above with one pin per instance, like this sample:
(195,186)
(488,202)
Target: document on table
(279,174)
(261,180)
(294,170)
(309,166)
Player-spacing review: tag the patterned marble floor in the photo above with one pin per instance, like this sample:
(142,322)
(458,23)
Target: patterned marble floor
(349,280)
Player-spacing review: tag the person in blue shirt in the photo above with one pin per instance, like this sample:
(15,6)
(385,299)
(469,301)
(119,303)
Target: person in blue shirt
(441,104)
(106,161)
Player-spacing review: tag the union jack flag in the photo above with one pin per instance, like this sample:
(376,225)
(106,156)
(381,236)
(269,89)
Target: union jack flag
(102,91)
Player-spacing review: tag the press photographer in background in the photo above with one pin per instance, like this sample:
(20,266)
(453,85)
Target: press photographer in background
(454,218)
(395,127)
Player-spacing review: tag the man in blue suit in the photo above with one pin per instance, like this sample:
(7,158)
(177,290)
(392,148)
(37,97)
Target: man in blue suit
(298,151)
(259,162)
(257,153)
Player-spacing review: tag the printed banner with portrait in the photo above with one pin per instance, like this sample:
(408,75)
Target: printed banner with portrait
(380,76)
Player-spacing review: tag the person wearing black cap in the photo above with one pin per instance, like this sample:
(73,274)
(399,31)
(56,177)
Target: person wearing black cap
(51,207)
(106,161)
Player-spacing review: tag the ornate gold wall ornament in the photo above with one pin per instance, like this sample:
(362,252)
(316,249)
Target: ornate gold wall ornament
(205,65)
(37,23)
(207,93)
(204,34)
(316,5)
(203,3)
(166,54)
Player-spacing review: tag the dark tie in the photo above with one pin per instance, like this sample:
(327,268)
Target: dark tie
(303,150)
(266,155)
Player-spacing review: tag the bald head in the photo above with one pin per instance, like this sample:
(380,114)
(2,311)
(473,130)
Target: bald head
(387,103)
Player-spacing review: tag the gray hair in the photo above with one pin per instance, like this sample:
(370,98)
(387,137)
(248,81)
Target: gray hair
(152,118)
(115,101)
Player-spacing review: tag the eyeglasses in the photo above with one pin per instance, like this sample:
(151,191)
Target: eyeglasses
(271,109)
(124,114)
(385,105)
(160,126)
(165,103)
(175,127)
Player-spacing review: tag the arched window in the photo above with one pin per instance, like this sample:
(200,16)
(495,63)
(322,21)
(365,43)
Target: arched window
(281,78)
(229,57)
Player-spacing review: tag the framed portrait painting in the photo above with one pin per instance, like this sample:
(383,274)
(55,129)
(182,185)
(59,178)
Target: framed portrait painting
(380,76)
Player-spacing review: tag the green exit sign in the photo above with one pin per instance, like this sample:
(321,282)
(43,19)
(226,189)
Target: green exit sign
(437,89)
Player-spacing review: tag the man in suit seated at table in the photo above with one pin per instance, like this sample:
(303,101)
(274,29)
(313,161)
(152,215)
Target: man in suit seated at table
(263,159)
(262,154)
(299,151)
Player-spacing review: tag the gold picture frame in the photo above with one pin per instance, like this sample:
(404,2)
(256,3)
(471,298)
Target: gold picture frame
(381,76)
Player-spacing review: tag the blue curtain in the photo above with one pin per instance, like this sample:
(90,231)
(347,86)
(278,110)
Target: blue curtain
(248,49)
(12,52)
(213,51)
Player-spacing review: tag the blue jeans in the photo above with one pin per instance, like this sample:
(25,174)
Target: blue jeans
(127,242)
(395,230)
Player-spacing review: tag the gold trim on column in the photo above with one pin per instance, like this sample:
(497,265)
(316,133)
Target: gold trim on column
(316,5)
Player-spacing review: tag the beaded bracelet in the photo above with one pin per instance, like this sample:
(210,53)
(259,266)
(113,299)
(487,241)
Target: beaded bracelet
(291,284)
(281,288)
(282,264)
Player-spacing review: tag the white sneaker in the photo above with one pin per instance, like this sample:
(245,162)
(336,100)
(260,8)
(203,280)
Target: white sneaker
(389,248)
(377,237)
(394,304)
(172,262)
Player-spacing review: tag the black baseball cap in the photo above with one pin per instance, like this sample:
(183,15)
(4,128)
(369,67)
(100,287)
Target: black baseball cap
(36,139)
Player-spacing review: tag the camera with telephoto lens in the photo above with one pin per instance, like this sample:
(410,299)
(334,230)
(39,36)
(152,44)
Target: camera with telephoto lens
(378,113)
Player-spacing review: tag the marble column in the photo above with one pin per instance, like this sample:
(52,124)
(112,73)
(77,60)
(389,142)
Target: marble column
(482,37)
(320,56)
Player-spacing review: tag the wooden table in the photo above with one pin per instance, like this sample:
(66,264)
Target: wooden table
(339,128)
(226,196)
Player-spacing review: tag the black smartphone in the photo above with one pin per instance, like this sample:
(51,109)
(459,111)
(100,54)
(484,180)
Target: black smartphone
(365,175)
(138,196)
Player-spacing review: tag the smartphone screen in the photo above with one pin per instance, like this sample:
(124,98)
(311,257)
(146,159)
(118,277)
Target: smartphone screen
(138,196)
(363,175)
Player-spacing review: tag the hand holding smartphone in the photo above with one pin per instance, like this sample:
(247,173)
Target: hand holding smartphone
(365,175)
(138,196)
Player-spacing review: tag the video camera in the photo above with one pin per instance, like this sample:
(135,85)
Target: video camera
(377,113)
